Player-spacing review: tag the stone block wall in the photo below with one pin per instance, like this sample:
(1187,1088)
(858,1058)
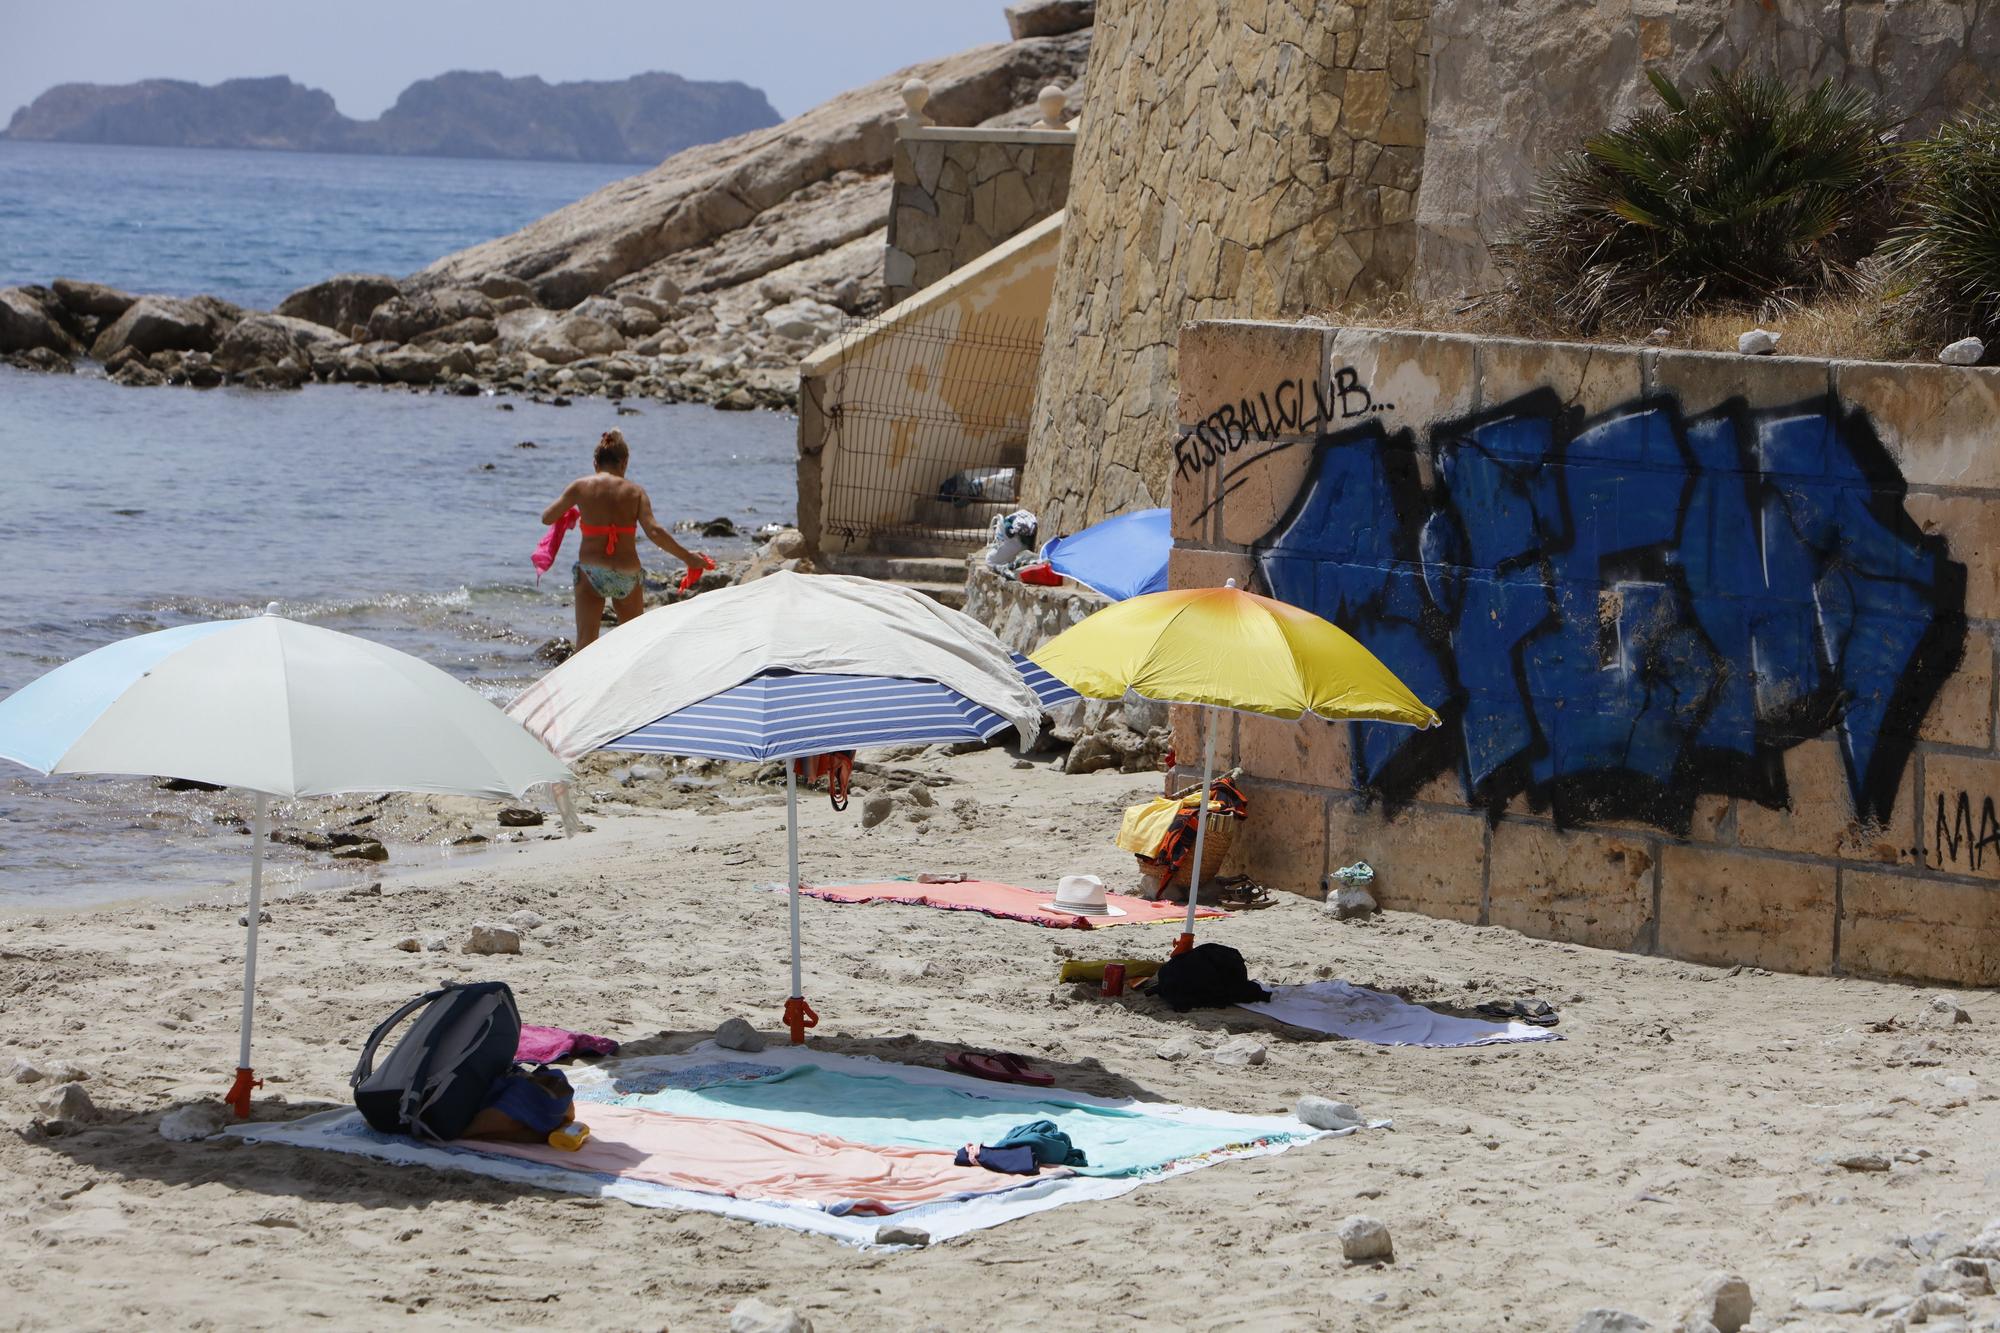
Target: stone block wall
(1514,85)
(959,193)
(1235,157)
(1712,636)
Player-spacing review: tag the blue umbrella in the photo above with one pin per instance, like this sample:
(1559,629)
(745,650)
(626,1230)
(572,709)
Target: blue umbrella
(790,715)
(1120,557)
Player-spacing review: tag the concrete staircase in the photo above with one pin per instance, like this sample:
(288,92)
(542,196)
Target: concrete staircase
(934,566)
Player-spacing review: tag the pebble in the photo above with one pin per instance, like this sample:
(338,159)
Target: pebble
(1724,1302)
(1325,1113)
(410,944)
(876,809)
(1364,1239)
(436,944)
(1350,900)
(526,920)
(1239,1051)
(1862,1161)
(898,1234)
(1966,1277)
(736,1034)
(755,1316)
(1758,342)
(263,918)
(1964,352)
(68,1102)
(515,816)
(1604,1320)
(491,939)
(365,850)
(24,1071)
(198,1120)
(1177,1048)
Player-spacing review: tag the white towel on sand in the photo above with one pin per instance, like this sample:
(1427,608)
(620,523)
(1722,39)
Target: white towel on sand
(1360,1014)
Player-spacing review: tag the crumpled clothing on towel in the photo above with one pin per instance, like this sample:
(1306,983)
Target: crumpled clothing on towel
(540,1046)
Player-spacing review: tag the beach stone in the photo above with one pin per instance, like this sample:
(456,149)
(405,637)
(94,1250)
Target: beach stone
(898,1234)
(806,319)
(68,1102)
(1757,342)
(409,365)
(755,1316)
(515,816)
(342,301)
(160,324)
(1175,1049)
(1723,1301)
(24,1071)
(436,943)
(1834,1301)
(1240,1051)
(26,325)
(1605,1320)
(491,939)
(736,1034)
(365,850)
(1941,1012)
(1350,900)
(1325,1113)
(65,1071)
(526,920)
(1962,1276)
(261,340)
(263,918)
(1862,1161)
(1964,352)
(92,298)
(920,794)
(1364,1239)
(875,809)
(410,944)
(191,1123)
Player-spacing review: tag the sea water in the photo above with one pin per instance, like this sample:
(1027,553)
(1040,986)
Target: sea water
(404,517)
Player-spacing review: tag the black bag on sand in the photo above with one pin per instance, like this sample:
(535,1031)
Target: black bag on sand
(438,1076)
(1208,976)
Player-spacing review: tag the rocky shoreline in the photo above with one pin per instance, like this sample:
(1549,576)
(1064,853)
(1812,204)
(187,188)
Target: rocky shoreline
(371,329)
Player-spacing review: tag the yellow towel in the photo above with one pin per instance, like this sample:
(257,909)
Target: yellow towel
(1145,827)
(1083,969)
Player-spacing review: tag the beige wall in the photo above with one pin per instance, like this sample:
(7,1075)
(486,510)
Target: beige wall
(917,384)
(1236,157)
(959,193)
(1713,636)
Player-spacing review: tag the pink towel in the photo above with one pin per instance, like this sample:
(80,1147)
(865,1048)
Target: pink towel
(552,540)
(1004,901)
(751,1161)
(541,1045)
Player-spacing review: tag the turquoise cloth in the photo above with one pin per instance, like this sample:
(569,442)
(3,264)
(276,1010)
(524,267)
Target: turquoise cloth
(1050,1145)
(886,1111)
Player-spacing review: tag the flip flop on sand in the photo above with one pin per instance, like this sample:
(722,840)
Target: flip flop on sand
(999,1067)
(1538,1012)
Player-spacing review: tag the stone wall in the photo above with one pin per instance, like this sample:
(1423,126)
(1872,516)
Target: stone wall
(1236,157)
(959,193)
(1713,636)
(1514,85)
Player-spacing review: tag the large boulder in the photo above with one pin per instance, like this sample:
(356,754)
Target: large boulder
(806,319)
(265,340)
(410,365)
(26,324)
(402,318)
(163,324)
(340,302)
(1049,18)
(93,298)
(576,336)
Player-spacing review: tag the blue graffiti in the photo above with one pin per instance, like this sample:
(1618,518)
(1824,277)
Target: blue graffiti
(1617,615)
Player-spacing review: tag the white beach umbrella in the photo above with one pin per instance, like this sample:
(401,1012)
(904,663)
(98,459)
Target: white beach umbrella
(280,709)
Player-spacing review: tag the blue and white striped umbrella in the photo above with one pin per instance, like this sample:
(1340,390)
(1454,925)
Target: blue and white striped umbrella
(786,715)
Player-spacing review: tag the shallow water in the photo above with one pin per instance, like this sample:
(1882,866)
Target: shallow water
(251,226)
(407,518)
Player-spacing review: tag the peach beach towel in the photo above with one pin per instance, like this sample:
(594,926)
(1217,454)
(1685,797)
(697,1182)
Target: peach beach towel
(1004,901)
(748,1161)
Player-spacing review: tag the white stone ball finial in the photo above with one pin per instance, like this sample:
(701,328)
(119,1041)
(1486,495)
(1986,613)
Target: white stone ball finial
(916,96)
(1052,102)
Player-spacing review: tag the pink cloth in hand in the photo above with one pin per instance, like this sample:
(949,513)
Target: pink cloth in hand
(552,540)
(541,1045)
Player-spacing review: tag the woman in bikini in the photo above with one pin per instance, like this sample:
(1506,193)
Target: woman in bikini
(613,510)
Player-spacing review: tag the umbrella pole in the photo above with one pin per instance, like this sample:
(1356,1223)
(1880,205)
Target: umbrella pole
(798,1014)
(238,1096)
(1186,940)
(567,809)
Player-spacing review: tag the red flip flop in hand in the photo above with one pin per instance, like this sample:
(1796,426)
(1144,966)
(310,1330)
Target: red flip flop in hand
(999,1067)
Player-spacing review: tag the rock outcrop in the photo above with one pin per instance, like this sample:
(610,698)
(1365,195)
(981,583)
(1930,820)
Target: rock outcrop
(166,324)
(341,301)
(460,114)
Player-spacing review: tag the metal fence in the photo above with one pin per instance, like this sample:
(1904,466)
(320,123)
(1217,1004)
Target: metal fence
(926,426)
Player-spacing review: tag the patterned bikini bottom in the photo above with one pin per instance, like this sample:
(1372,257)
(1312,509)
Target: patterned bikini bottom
(611,584)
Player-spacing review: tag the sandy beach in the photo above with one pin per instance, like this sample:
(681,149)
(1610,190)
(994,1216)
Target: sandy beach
(1689,1124)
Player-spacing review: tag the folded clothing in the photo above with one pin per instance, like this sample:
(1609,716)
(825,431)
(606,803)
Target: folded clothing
(750,1161)
(539,1045)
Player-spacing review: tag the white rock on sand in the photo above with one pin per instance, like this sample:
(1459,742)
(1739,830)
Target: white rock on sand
(755,1316)
(663,931)
(490,939)
(1364,1239)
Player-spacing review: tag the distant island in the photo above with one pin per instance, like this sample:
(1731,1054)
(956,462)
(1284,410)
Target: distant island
(642,119)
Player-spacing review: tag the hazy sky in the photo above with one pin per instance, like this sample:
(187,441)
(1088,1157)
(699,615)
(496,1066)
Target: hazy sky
(364,52)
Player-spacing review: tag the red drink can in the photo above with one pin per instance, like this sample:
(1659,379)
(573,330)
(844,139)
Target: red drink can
(1114,978)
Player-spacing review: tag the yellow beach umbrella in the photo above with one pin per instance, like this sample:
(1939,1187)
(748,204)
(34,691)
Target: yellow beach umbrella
(1227,648)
